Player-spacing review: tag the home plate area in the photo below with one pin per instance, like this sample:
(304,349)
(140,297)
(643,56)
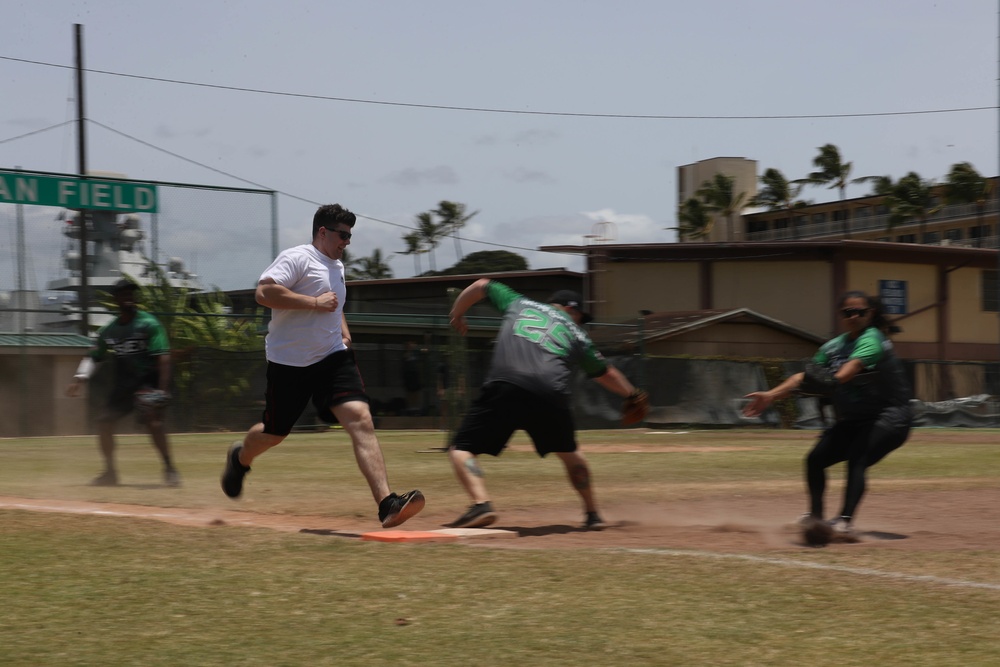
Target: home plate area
(442,535)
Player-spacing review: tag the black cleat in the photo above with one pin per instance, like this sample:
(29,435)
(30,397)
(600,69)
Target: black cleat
(232,476)
(394,510)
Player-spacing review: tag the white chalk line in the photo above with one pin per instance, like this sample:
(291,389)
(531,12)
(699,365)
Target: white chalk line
(783,562)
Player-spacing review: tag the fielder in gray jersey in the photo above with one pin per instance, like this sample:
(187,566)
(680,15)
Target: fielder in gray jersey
(528,387)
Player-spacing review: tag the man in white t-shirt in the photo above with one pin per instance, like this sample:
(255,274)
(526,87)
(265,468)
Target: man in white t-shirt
(309,357)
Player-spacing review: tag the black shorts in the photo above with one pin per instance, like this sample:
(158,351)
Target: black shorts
(503,408)
(329,382)
(121,400)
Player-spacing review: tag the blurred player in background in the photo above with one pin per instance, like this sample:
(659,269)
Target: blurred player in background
(860,374)
(309,357)
(138,344)
(528,387)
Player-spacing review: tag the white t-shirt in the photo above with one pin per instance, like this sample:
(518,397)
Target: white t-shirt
(303,337)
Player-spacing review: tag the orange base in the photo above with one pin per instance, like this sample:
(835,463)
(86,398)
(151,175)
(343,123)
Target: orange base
(408,536)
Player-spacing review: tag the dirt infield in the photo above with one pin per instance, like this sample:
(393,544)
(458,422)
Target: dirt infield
(923,521)
(754,516)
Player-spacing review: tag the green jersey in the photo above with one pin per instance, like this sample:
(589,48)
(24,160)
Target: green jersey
(539,346)
(882,383)
(133,347)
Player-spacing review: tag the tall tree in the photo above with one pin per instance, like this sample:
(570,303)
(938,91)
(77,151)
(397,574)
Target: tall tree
(720,196)
(488,261)
(694,220)
(912,199)
(833,172)
(453,218)
(370,268)
(430,233)
(414,246)
(965,185)
(780,194)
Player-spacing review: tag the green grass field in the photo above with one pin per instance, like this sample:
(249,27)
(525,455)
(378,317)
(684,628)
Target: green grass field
(84,589)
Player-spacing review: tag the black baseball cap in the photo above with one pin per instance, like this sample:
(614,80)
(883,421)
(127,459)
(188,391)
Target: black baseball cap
(571,299)
(123,285)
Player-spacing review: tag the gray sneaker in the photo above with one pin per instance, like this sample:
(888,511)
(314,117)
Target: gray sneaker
(844,527)
(171,478)
(477,516)
(106,478)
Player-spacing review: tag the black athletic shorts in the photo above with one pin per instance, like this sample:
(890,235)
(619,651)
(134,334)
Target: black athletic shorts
(329,382)
(502,408)
(121,400)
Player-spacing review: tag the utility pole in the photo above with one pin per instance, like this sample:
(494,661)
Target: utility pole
(84,216)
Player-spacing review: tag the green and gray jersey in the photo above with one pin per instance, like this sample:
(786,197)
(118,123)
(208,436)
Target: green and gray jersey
(882,383)
(539,346)
(134,348)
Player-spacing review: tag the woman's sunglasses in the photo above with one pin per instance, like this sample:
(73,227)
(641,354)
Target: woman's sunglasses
(851,312)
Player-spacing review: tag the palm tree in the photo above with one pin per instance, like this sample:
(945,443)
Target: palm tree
(695,220)
(780,194)
(912,198)
(965,185)
(371,268)
(719,196)
(430,233)
(833,173)
(414,246)
(453,219)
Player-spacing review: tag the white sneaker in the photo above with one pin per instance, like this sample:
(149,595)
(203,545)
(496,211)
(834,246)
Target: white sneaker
(844,527)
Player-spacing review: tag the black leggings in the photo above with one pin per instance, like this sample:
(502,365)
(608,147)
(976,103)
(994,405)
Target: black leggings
(862,444)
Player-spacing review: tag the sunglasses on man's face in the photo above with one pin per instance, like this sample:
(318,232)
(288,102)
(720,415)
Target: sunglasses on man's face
(851,312)
(344,236)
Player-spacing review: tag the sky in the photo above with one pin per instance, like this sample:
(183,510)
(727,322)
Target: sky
(556,120)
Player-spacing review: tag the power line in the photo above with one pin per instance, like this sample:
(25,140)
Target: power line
(565,114)
(33,132)
(286,194)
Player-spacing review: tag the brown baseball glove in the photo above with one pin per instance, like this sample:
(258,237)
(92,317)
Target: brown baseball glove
(635,408)
(816,532)
(150,401)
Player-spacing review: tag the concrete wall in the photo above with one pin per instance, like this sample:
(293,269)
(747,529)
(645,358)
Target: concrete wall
(34,393)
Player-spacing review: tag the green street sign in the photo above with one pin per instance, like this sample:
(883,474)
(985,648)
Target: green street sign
(76,193)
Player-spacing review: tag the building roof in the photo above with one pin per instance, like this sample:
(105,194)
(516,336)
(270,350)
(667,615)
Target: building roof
(663,325)
(879,251)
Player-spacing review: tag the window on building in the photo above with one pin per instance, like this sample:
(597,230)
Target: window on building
(781,223)
(884,238)
(839,215)
(931,238)
(862,212)
(800,220)
(991,291)
(818,218)
(977,233)
(906,238)
(953,235)
(881,209)
(756,226)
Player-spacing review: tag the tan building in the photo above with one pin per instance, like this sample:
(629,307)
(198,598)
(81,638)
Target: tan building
(691,177)
(862,218)
(944,298)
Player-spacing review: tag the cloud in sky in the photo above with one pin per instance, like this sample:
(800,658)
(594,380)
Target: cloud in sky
(412,177)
